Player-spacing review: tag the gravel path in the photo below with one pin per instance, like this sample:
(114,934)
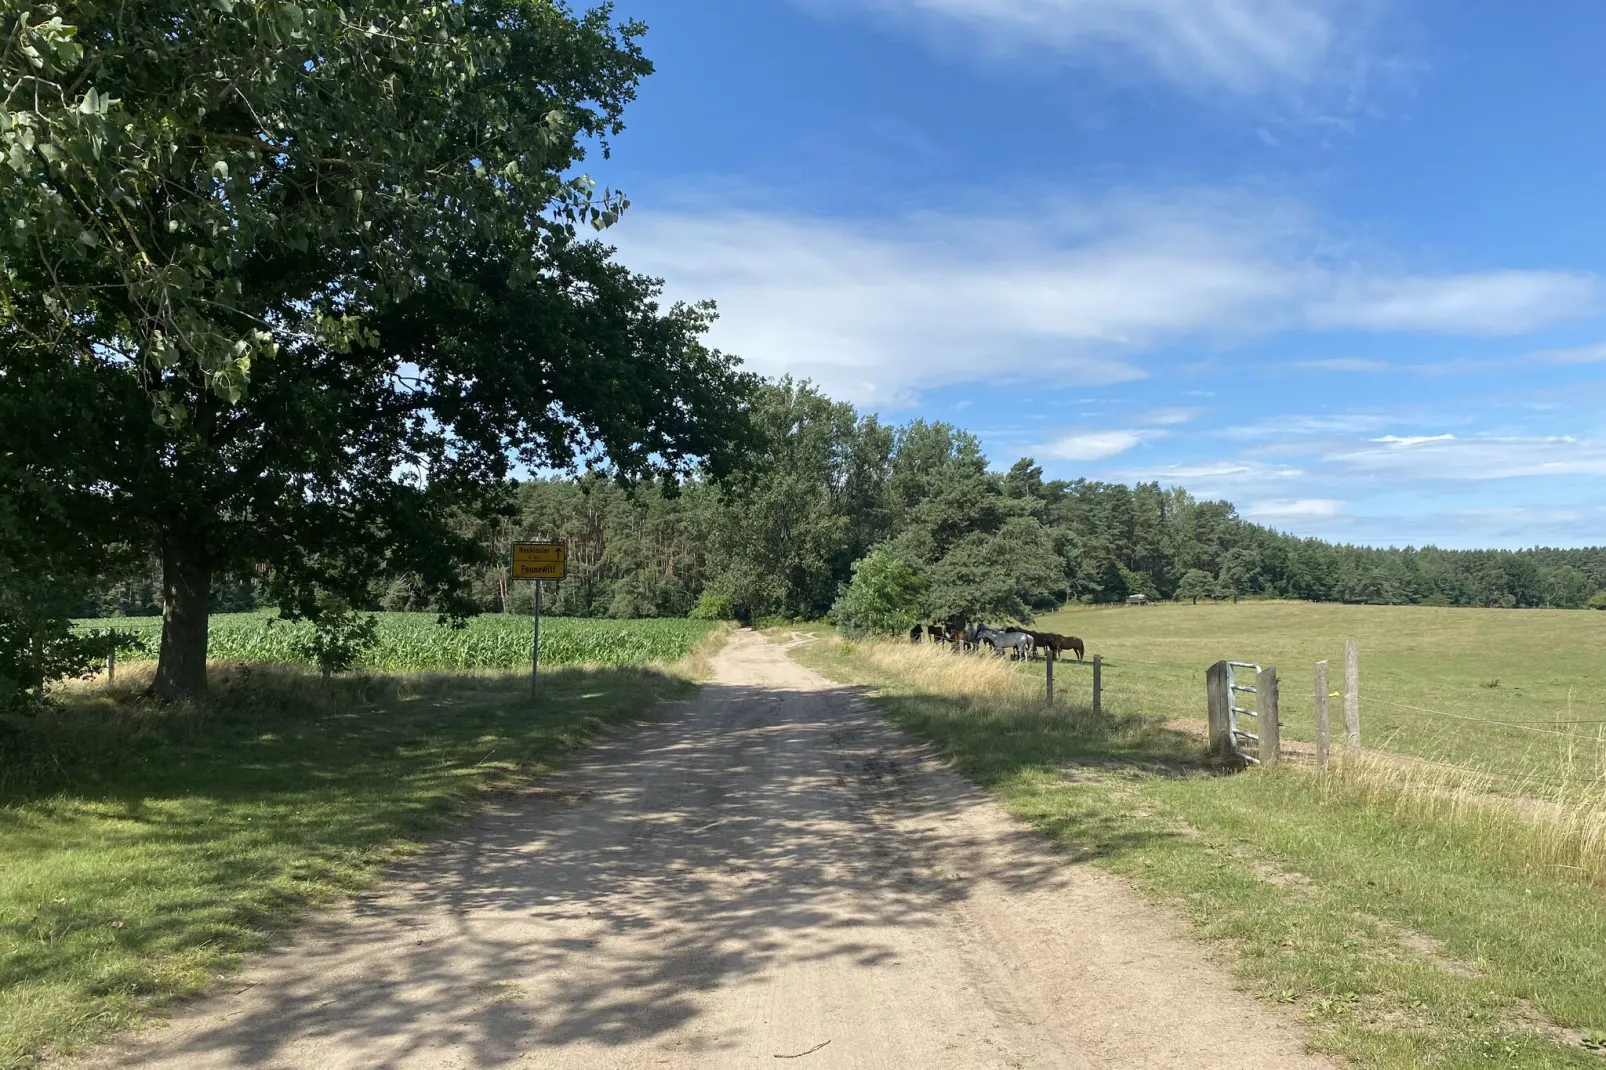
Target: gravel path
(769,876)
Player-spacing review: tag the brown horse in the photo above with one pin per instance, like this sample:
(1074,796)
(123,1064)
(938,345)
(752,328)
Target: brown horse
(1053,644)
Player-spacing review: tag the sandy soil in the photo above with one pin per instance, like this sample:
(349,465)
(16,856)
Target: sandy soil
(768,876)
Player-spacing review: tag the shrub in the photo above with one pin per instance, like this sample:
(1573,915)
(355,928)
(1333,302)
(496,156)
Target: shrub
(713,606)
(39,646)
(337,641)
(883,599)
(1598,600)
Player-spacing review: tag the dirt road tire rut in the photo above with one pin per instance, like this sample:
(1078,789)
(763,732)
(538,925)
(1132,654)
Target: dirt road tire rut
(769,870)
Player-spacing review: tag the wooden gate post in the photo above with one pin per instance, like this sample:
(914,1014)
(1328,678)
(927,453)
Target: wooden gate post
(1048,660)
(1271,736)
(1324,731)
(1220,707)
(1352,700)
(1098,684)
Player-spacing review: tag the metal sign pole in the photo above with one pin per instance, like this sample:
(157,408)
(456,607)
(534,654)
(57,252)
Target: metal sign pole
(535,644)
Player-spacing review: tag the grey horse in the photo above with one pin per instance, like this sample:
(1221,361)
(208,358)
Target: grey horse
(1011,639)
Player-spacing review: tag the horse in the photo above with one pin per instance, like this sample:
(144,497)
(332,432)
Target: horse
(914,634)
(936,634)
(1053,644)
(1013,640)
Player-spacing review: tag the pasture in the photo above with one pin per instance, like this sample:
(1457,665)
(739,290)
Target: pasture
(1407,922)
(1510,692)
(145,848)
(417,642)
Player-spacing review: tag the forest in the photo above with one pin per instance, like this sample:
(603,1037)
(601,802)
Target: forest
(824,485)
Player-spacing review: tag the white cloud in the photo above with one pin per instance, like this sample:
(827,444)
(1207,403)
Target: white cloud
(1091,445)
(1071,293)
(1295,509)
(1446,457)
(1413,440)
(1168,416)
(1346,364)
(1594,354)
(1242,46)
(1334,424)
(1495,302)
(1231,479)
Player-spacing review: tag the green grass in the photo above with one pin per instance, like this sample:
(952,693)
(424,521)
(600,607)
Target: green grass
(416,642)
(1424,671)
(143,849)
(1402,936)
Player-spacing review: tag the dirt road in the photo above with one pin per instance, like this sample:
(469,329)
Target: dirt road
(768,872)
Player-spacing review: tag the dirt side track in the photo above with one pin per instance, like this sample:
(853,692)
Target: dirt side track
(769,872)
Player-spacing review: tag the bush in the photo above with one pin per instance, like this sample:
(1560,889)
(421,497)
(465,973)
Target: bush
(883,599)
(338,640)
(39,646)
(1598,600)
(712,606)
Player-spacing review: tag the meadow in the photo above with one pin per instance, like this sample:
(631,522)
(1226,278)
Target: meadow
(1509,692)
(1411,914)
(146,848)
(417,642)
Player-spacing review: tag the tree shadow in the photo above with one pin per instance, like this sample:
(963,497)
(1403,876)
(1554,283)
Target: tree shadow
(756,828)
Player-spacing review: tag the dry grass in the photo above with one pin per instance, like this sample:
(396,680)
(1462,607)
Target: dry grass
(1411,914)
(944,672)
(1539,822)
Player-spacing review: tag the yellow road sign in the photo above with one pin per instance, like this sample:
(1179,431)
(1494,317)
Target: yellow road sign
(540,560)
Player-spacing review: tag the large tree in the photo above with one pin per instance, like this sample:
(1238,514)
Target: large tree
(287,285)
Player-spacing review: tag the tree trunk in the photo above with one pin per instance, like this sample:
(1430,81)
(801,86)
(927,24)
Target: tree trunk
(186,603)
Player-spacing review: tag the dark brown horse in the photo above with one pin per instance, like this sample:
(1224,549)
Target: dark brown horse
(1052,644)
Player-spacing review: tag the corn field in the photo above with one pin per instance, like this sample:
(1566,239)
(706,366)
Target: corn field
(414,642)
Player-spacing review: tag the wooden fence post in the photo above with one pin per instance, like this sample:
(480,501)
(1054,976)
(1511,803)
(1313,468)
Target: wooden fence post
(1352,699)
(1324,731)
(1271,735)
(1220,705)
(1098,684)
(111,666)
(1048,660)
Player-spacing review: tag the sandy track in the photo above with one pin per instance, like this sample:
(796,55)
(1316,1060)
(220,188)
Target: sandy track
(768,869)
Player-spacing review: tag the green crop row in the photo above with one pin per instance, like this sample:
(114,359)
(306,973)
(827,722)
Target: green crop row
(415,642)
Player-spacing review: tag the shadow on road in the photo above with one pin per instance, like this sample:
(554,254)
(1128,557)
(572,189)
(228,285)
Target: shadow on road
(753,826)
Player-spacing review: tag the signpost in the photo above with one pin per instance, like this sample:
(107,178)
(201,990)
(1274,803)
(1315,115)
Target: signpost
(538,561)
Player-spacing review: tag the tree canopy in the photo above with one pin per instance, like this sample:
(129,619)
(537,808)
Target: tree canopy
(289,287)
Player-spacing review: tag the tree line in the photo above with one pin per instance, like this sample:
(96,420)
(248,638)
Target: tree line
(291,292)
(825,486)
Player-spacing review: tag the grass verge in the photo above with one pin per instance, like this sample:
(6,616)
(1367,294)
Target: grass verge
(143,850)
(1404,935)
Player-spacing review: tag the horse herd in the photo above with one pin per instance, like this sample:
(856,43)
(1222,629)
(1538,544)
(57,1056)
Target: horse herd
(1016,642)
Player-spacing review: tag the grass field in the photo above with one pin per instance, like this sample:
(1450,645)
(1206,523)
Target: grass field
(1405,935)
(143,849)
(416,642)
(1434,682)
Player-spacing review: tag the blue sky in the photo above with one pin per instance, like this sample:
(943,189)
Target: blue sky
(1338,261)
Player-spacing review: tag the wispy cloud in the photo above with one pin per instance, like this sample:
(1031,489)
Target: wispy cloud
(1092,445)
(1241,46)
(1294,509)
(1230,479)
(1072,292)
(1330,424)
(1346,364)
(1595,354)
(1169,416)
(1447,457)
(1495,302)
